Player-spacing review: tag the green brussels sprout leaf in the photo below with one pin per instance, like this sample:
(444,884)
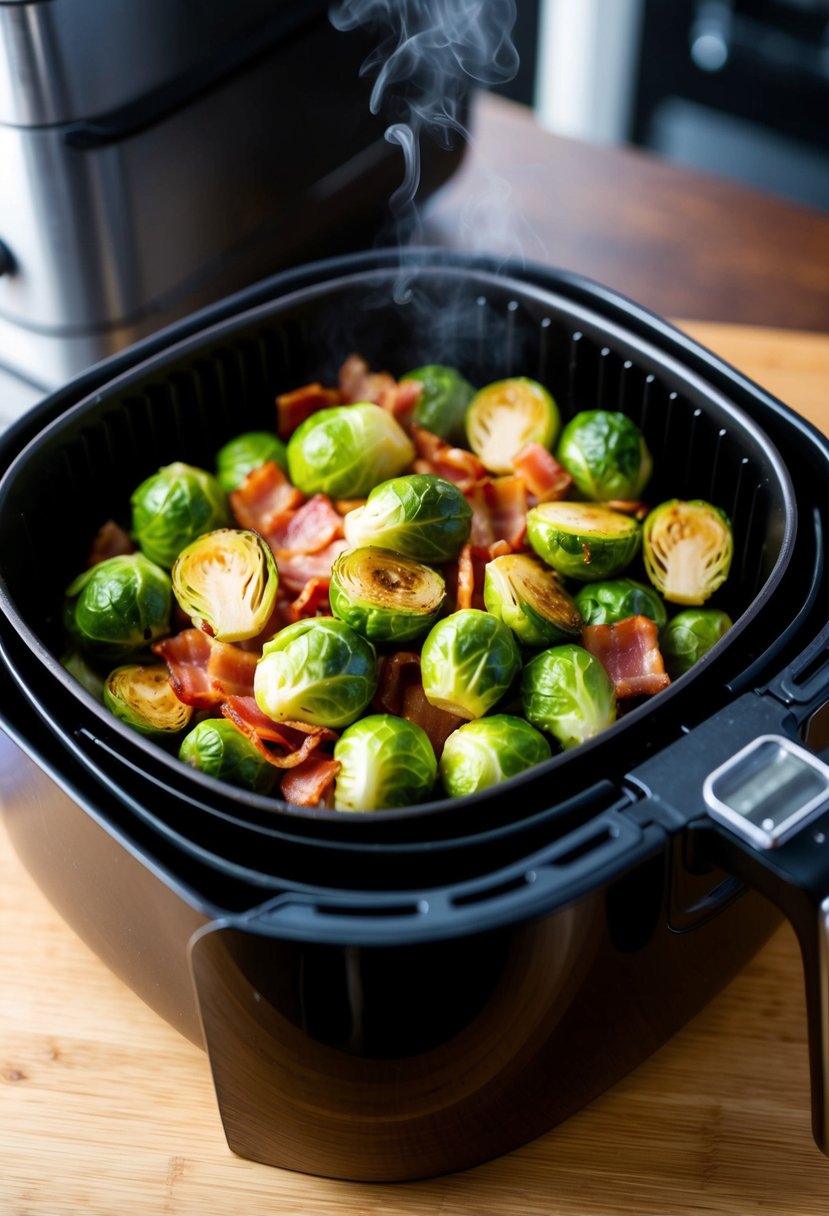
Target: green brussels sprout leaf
(173,507)
(247,452)
(489,750)
(385,761)
(567,692)
(468,662)
(420,516)
(384,596)
(118,607)
(581,540)
(606,455)
(346,450)
(614,600)
(441,406)
(215,747)
(690,635)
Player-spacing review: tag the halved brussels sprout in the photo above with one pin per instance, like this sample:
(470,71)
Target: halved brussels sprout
(690,635)
(226,582)
(606,455)
(687,548)
(217,748)
(441,406)
(173,507)
(583,540)
(528,597)
(384,596)
(468,662)
(421,516)
(615,600)
(566,692)
(247,452)
(319,671)
(505,416)
(141,696)
(385,761)
(490,750)
(345,450)
(119,606)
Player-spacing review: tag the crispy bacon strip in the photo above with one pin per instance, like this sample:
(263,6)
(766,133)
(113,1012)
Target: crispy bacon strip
(541,473)
(296,569)
(110,541)
(263,499)
(300,403)
(437,456)
(310,783)
(311,601)
(629,652)
(400,692)
(308,529)
(290,742)
(204,672)
(499,514)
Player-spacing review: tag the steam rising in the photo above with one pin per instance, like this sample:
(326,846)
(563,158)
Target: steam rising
(428,53)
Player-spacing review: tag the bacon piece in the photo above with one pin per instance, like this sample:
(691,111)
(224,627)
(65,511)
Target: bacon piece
(311,601)
(543,476)
(466,579)
(291,742)
(400,692)
(296,569)
(344,505)
(263,498)
(440,458)
(629,652)
(400,399)
(204,672)
(310,783)
(300,403)
(499,513)
(110,541)
(308,529)
(357,383)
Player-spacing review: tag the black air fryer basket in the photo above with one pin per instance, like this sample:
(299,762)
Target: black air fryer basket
(412,991)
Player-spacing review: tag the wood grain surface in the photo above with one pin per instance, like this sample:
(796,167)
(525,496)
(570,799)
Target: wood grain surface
(106,1111)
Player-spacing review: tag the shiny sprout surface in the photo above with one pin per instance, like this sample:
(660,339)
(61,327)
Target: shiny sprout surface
(566,692)
(174,506)
(246,452)
(346,450)
(505,416)
(469,661)
(385,596)
(690,635)
(215,747)
(418,515)
(614,600)
(606,455)
(385,761)
(226,582)
(583,541)
(118,607)
(444,397)
(488,751)
(528,597)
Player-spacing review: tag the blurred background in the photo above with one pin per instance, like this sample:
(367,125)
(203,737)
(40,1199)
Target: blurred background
(735,87)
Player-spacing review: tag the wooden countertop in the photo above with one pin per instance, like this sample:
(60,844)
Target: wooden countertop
(107,1111)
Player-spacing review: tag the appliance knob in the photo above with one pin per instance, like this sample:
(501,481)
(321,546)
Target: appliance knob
(710,35)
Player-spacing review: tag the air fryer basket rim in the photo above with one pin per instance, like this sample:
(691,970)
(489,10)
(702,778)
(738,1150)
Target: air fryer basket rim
(354,269)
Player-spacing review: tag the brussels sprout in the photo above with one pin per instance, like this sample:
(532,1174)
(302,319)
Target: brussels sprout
(246,452)
(689,635)
(505,416)
(467,663)
(226,582)
(384,596)
(528,597)
(345,450)
(567,692)
(141,696)
(441,406)
(217,748)
(319,671)
(606,455)
(485,752)
(582,540)
(173,507)
(421,516)
(119,606)
(385,761)
(77,666)
(615,600)
(687,548)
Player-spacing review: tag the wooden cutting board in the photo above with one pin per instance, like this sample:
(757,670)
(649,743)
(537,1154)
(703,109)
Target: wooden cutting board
(106,1111)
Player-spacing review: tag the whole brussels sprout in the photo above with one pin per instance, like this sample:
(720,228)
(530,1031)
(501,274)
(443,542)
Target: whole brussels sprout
(528,597)
(687,549)
(173,507)
(247,452)
(421,516)
(217,748)
(345,450)
(606,455)
(582,540)
(441,406)
(690,635)
(226,582)
(141,696)
(566,692)
(318,670)
(385,761)
(468,662)
(118,607)
(504,417)
(615,600)
(384,596)
(487,751)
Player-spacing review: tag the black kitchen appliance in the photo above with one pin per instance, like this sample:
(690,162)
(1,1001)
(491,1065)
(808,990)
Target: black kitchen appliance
(400,994)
